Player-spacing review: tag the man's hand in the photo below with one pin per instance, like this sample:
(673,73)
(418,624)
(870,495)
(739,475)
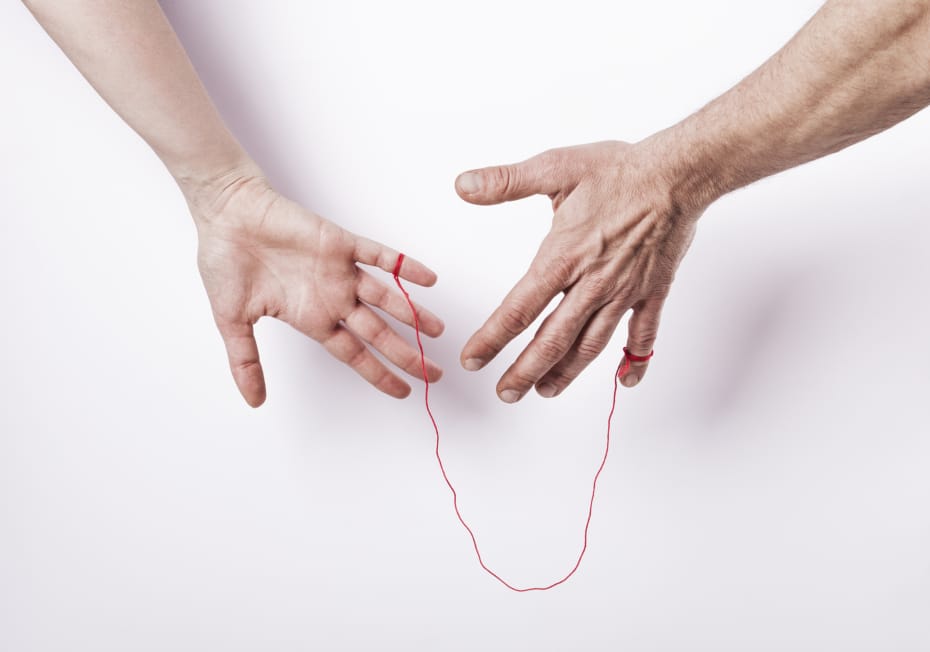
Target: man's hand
(617,238)
(262,254)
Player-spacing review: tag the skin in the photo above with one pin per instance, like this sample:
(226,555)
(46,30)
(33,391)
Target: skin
(259,253)
(625,214)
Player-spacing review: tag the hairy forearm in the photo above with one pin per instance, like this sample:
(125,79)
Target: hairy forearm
(856,68)
(130,54)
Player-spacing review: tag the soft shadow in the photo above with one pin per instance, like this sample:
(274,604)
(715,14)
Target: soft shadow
(200,28)
(754,319)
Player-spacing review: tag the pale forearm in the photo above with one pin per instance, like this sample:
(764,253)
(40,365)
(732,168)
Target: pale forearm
(130,54)
(857,68)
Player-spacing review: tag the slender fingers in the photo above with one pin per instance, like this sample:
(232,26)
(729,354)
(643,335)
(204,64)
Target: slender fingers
(552,342)
(369,252)
(519,309)
(244,362)
(348,348)
(643,329)
(375,293)
(590,342)
(366,324)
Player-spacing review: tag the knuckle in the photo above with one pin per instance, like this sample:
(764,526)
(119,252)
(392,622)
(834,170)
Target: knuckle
(555,273)
(590,347)
(384,381)
(549,160)
(381,338)
(379,294)
(357,358)
(549,349)
(243,366)
(521,380)
(502,179)
(412,363)
(515,319)
(645,335)
(562,268)
(661,290)
(598,288)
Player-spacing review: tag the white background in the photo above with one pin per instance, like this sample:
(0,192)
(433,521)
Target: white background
(769,488)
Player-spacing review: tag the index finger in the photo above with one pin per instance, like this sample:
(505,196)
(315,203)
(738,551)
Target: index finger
(369,252)
(517,311)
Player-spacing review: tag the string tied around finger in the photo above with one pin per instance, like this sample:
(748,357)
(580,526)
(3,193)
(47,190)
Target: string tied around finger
(632,357)
(622,368)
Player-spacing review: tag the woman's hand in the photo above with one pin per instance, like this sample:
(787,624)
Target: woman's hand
(262,254)
(617,238)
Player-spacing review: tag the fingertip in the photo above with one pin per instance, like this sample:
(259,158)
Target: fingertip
(253,394)
(431,278)
(256,401)
(422,276)
(394,386)
(469,359)
(251,384)
(547,389)
(471,364)
(416,272)
(630,380)
(434,328)
(401,391)
(434,372)
(468,185)
(509,395)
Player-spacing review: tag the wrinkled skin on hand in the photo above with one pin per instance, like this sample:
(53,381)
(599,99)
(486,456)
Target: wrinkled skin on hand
(617,239)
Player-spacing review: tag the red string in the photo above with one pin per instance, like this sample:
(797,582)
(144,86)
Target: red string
(621,369)
(632,357)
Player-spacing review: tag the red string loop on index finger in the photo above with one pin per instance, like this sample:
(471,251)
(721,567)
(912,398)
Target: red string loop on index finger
(400,261)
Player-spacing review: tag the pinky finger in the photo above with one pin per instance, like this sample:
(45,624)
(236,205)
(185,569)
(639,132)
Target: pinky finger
(643,327)
(244,362)
(348,348)
(369,252)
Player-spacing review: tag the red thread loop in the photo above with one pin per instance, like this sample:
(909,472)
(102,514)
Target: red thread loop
(636,358)
(622,368)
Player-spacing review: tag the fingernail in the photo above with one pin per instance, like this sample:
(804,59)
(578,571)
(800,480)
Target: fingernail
(630,380)
(470,183)
(473,364)
(510,396)
(546,390)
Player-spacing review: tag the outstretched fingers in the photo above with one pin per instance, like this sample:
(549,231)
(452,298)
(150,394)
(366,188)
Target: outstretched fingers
(375,293)
(366,324)
(520,308)
(348,348)
(369,252)
(590,343)
(244,362)
(552,342)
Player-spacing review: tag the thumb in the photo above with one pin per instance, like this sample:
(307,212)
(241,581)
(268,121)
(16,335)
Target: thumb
(493,185)
(244,363)
(643,328)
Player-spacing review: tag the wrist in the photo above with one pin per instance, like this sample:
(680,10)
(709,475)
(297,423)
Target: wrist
(691,174)
(208,190)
